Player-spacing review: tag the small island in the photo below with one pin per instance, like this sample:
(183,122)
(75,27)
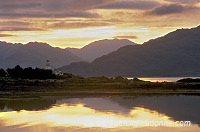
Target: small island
(30,82)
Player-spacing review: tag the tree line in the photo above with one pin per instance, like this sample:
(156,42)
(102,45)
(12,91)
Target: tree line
(27,73)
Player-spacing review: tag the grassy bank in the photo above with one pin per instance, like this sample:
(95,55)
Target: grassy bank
(93,87)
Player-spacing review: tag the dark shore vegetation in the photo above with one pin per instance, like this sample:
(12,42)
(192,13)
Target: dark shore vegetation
(39,83)
(27,73)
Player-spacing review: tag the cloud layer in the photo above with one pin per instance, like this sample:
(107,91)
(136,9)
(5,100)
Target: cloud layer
(141,5)
(46,8)
(5,35)
(184,1)
(171,9)
(168,9)
(51,20)
(126,37)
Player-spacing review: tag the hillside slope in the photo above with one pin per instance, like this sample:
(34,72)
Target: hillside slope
(175,54)
(34,54)
(99,48)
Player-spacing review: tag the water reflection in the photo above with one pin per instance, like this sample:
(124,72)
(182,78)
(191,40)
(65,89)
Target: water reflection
(178,107)
(66,115)
(102,114)
(78,115)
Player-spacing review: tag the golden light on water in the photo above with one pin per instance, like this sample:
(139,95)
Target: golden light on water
(79,116)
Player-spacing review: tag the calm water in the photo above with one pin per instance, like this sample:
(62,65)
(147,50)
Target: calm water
(164,79)
(100,114)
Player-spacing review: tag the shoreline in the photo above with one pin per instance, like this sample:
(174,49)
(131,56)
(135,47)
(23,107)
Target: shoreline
(94,87)
(13,95)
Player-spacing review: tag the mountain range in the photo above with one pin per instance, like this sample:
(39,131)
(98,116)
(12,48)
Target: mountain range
(176,54)
(99,48)
(34,54)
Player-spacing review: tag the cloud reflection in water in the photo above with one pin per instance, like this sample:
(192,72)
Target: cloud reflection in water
(78,115)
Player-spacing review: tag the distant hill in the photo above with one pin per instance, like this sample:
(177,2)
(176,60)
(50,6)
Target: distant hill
(99,48)
(34,54)
(175,54)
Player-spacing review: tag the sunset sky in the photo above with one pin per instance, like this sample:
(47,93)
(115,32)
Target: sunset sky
(75,23)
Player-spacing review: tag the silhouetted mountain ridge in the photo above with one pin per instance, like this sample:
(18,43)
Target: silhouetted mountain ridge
(34,54)
(175,54)
(99,48)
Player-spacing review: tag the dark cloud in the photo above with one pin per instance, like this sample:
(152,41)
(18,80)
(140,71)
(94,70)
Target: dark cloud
(19,6)
(19,29)
(169,9)
(65,8)
(46,8)
(17,26)
(48,15)
(14,23)
(184,1)
(6,35)
(126,37)
(141,5)
(76,4)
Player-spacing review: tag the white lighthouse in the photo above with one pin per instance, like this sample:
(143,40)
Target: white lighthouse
(48,67)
